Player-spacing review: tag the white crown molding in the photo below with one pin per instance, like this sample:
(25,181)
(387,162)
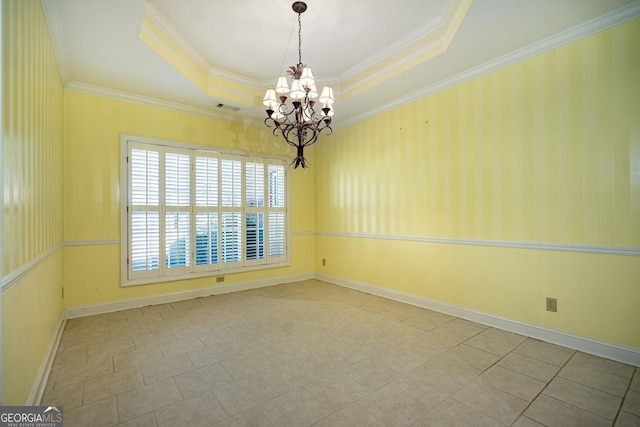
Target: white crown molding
(608,350)
(190,50)
(149,101)
(151,12)
(54,24)
(165,25)
(570,35)
(236,78)
(561,247)
(593,26)
(109,307)
(190,55)
(431,26)
(198,74)
(40,382)
(389,68)
(10,280)
(417,34)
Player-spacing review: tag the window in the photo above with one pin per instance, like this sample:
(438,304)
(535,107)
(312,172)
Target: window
(193,212)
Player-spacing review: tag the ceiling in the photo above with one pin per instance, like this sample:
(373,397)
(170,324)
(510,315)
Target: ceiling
(197,54)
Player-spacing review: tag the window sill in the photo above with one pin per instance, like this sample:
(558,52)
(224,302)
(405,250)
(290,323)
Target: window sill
(198,275)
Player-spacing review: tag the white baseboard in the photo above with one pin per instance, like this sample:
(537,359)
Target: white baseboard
(40,383)
(109,307)
(611,351)
(607,350)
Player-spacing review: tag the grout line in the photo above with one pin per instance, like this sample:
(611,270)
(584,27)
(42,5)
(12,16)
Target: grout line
(547,385)
(360,308)
(530,358)
(633,374)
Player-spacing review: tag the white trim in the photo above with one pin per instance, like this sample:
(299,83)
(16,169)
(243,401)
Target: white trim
(562,38)
(125,138)
(443,41)
(413,36)
(562,247)
(92,242)
(184,274)
(591,249)
(109,307)
(124,202)
(303,233)
(201,274)
(169,30)
(54,25)
(392,67)
(40,383)
(604,349)
(200,74)
(161,21)
(586,29)
(12,279)
(153,102)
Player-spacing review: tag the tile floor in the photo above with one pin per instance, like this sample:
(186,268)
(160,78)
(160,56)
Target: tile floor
(312,353)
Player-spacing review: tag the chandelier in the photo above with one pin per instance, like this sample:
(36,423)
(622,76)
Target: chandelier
(299,122)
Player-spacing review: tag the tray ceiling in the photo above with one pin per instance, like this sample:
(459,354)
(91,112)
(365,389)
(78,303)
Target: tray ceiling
(197,54)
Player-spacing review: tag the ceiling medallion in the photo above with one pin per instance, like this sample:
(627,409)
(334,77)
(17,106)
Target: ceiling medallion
(298,122)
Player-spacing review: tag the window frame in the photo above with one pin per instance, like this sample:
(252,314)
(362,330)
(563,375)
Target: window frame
(195,271)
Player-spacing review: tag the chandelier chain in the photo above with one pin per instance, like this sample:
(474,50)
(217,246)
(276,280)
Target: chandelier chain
(299,39)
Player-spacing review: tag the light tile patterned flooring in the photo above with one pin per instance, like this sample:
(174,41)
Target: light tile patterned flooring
(312,353)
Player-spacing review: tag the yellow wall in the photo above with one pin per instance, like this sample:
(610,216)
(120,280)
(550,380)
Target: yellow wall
(32,311)
(93,125)
(543,151)
(32,196)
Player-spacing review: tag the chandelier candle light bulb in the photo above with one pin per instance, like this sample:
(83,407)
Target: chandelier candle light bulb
(298,122)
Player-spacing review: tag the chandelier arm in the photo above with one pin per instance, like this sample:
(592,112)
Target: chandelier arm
(312,137)
(283,128)
(317,131)
(285,134)
(282,109)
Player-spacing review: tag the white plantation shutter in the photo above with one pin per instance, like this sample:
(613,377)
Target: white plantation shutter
(277,235)
(231,181)
(145,177)
(206,179)
(144,212)
(231,210)
(255,211)
(177,240)
(177,226)
(200,211)
(254,242)
(207,210)
(231,237)
(277,196)
(254,184)
(277,190)
(207,231)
